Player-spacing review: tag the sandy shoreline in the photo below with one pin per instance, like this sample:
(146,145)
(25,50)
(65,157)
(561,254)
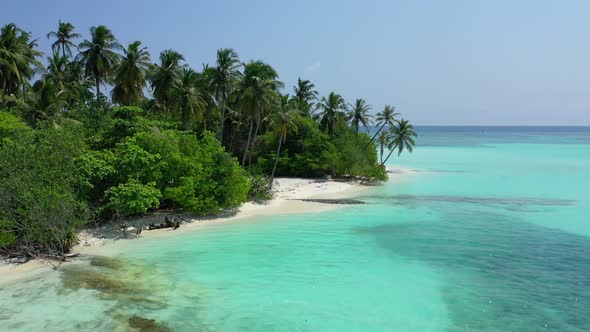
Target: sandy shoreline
(288,192)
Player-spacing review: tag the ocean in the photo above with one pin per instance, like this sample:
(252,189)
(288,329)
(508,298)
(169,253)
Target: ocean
(490,233)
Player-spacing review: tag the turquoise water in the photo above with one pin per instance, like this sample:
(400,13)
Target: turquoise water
(492,233)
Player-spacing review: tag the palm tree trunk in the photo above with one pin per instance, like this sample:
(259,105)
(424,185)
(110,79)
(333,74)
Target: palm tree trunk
(97,87)
(233,135)
(377,133)
(248,142)
(63,50)
(185,116)
(381,154)
(222,119)
(274,168)
(389,155)
(254,139)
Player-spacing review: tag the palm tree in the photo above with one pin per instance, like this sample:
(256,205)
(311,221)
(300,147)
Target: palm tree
(186,97)
(223,77)
(385,117)
(56,70)
(282,121)
(45,103)
(359,114)
(258,92)
(18,58)
(332,107)
(401,137)
(207,92)
(130,75)
(163,77)
(55,78)
(305,95)
(64,35)
(382,141)
(98,55)
(77,85)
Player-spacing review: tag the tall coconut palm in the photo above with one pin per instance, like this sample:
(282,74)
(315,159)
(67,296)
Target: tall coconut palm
(186,97)
(77,85)
(359,114)
(385,117)
(98,55)
(130,75)
(207,92)
(163,77)
(18,58)
(282,122)
(223,77)
(401,137)
(305,95)
(383,140)
(56,70)
(332,111)
(45,102)
(64,36)
(55,78)
(258,92)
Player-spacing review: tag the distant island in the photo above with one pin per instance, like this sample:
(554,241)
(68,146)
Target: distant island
(99,132)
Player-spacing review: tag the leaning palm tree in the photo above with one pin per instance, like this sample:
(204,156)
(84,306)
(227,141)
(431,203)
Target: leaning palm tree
(332,107)
(130,75)
(223,77)
(383,140)
(258,93)
(359,114)
(186,97)
(18,59)
(385,117)
(98,55)
(64,35)
(401,137)
(282,122)
(163,76)
(305,95)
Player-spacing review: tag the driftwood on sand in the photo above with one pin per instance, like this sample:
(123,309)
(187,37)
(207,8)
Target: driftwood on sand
(170,221)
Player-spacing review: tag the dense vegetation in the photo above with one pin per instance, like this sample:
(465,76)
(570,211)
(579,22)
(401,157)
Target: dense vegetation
(167,136)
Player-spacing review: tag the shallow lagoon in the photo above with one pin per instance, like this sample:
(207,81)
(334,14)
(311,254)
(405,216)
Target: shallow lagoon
(490,234)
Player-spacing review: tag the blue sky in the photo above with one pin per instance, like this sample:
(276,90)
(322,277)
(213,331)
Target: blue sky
(452,62)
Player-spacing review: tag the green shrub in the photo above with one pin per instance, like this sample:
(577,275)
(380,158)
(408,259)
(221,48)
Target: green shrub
(11,125)
(133,198)
(259,188)
(38,188)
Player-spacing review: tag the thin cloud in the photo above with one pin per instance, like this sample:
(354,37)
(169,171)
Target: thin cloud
(312,68)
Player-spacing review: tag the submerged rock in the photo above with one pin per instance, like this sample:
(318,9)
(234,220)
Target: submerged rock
(108,262)
(147,325)
(76,277)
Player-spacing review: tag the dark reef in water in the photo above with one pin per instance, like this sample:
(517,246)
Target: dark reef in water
(513,275)
(147,325)
(345,201)
(515,201)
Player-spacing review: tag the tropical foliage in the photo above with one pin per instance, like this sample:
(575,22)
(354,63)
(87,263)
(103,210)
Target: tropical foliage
(169,137)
